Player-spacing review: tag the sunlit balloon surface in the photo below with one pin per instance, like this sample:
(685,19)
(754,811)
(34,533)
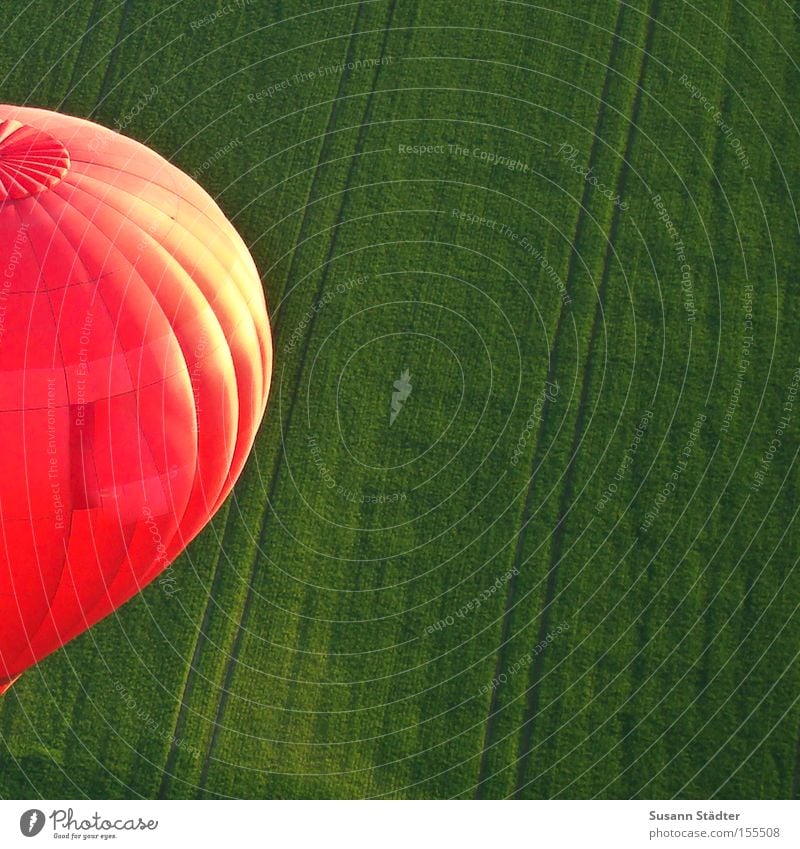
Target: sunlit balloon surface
(135,361)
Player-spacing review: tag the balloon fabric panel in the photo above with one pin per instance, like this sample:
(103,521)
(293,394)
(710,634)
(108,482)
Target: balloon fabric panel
(135,362)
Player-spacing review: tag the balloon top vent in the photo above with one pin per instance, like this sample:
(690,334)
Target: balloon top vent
(31,161)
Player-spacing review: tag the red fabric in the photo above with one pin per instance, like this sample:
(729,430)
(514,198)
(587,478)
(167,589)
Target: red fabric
(135,362)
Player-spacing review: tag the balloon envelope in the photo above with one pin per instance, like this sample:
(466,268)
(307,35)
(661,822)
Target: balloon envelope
(135,362)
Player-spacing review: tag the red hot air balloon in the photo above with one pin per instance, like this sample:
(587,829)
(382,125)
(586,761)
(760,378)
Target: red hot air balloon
(135,362)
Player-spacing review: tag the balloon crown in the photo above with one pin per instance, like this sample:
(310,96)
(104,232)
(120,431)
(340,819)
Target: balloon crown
(31,160)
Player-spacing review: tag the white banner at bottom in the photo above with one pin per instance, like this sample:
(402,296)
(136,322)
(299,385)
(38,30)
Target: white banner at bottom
(402,825)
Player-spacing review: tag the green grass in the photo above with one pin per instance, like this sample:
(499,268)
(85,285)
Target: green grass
(298,657)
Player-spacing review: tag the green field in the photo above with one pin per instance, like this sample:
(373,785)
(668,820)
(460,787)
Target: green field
(568,568)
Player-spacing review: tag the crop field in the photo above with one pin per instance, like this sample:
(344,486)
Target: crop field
(521,519)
